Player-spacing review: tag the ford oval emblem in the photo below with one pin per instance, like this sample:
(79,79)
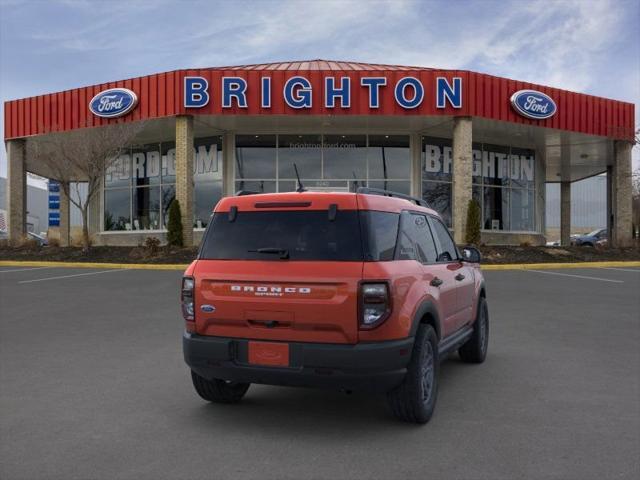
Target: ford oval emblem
(533,104)
(208,308)
(114,102)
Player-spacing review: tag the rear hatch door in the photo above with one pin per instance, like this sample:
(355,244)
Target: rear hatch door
(287,273)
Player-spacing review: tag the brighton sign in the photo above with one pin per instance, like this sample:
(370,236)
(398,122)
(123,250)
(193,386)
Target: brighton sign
(533,104)
(408,92)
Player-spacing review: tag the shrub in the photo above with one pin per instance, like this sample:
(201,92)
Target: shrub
(29,244)
(152,246)
(54,242)
(174,226)
(472,235)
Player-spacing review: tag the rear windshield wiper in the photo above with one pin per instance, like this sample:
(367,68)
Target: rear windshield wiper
(284,253)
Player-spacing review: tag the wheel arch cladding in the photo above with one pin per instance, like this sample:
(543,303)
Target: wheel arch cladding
(426,314)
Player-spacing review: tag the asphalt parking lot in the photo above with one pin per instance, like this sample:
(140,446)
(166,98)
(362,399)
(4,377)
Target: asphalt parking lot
(93,386)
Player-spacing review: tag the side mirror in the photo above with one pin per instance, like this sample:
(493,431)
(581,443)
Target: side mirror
(471,255)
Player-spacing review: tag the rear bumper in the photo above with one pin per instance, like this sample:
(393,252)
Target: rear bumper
(378,366)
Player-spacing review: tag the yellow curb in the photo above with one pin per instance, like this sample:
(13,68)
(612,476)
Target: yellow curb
(166,266)
(553,266)
(131,266)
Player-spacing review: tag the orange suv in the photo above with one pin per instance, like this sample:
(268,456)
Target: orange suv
(353,291)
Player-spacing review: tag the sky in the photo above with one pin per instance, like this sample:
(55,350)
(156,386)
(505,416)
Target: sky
(581,45)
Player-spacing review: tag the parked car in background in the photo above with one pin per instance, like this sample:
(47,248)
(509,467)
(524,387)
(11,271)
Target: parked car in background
(41,239)
(590,239)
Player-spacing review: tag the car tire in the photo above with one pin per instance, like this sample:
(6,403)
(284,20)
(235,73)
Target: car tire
(475,349)
(219,391)
(414,400)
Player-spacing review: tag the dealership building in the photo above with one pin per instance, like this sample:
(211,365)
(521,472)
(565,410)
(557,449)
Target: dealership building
(447,136)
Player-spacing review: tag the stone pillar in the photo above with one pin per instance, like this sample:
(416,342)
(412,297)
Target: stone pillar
(16,191)
(415,145)
(621,184)
(65,218)
(228,164)
(184,174)
(565,213)
(462,175)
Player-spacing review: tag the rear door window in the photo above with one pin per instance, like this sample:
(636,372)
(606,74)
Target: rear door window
(447,251)
(279,235)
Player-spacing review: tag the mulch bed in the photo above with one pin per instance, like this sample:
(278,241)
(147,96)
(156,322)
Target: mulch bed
(490,254)
(504,254)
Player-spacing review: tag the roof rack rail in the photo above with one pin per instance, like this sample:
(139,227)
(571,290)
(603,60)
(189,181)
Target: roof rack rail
(389,193)
(242,193)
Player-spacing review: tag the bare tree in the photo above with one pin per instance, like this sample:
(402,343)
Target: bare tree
(82,156)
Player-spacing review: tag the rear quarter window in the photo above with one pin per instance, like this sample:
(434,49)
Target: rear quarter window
(380,232)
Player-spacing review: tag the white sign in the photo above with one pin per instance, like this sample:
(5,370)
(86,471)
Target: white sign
(438,159)
(151,163)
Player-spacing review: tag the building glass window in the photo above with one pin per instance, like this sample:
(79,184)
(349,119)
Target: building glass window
(325,162)
(149,173)
(146,208)
(438,196)
(437,167)
(168,194)
(118,174)
(303,150)
(344,157)
(389,157)
(255,156)
(503,183)
(496,208)
(207,176)
(117,205)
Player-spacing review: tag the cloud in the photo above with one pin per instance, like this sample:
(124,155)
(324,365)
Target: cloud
(583,45)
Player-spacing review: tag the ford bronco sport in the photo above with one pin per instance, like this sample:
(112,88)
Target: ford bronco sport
(353,291)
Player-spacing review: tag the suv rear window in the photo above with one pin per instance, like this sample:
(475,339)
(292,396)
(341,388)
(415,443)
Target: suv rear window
(303,235)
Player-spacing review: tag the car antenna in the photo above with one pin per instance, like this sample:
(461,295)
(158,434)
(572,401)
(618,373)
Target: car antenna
(300,186)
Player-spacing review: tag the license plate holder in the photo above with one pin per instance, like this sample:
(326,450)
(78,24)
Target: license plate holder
(269,354)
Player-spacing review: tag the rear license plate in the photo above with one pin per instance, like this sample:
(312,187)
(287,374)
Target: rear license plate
(269,354)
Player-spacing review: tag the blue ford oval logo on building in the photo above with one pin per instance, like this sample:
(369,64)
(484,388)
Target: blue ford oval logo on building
(533,104)
(208,308)
(114,102)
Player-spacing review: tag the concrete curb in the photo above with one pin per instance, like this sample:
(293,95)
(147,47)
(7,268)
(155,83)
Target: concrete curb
(165,266)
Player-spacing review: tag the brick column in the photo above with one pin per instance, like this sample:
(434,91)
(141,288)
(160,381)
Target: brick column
(621,184)
(462,175)
(228,164)
(65,219)
(415,147)
(184,174)
(565,213)
(16,191)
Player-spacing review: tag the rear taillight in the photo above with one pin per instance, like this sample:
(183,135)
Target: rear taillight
(375,304)
(186,298)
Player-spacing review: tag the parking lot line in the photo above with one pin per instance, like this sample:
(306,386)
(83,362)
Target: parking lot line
(577,276)
(69,276)
(23,269)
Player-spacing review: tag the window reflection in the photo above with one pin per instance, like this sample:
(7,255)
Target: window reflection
(303,150)
(255,156)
